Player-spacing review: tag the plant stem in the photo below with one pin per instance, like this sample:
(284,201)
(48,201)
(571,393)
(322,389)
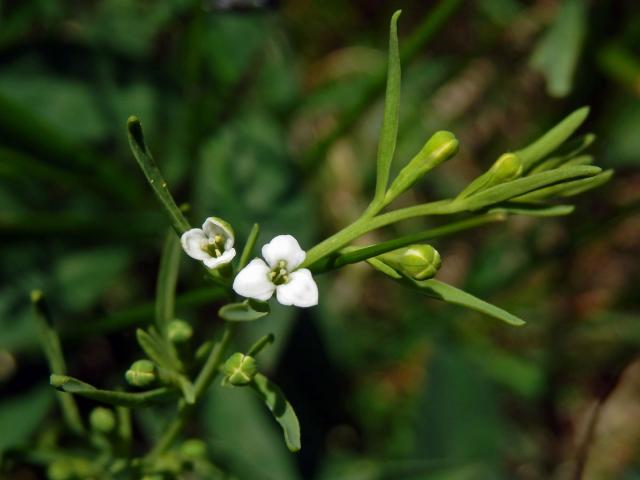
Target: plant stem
(363,253)
(368,222)
(203,380)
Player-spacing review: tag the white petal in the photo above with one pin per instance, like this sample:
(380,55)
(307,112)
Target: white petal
(213,226)
(226,257)
(301,290)
(192,242)
(253,281)
(284,247)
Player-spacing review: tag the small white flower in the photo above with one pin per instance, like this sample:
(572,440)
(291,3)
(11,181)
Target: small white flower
(280,274)
(213,244)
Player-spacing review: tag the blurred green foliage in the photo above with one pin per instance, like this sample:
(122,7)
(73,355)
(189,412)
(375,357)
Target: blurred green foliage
(270,114)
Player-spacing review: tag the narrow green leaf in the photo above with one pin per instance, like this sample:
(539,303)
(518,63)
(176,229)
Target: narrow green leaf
(520,186)
(567,189)
(244,311)
(72,385)
(450,294)
(557,53)
(154,177)
(249,246)
(166,283)
(188,389)
(384,268)
(53,352)
(565,153)
(389,131)
(579,160)
(533,209)
(280,408)
(157,349)
(551,140)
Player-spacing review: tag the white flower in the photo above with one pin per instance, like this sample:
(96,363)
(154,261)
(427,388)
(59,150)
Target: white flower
(213,244)
(280,274)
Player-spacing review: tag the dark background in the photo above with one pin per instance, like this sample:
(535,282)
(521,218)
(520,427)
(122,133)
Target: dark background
(269,112)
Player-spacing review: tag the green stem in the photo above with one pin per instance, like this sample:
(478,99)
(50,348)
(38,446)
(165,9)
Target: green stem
(363,253)
(366,223)
(203,380)
(166,284)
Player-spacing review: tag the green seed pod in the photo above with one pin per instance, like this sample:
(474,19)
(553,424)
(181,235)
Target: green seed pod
(179,331)
(102,419)
(240,369)
(141,373)
(508,167)
(193,448)
(440,147)
(419,262)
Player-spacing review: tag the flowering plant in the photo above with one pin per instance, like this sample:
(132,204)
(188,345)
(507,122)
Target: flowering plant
(179,365)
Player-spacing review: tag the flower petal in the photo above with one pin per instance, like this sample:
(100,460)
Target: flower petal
(284,247)
(213,226)
(301,290)
(192,242)
(253,281)
(226,257)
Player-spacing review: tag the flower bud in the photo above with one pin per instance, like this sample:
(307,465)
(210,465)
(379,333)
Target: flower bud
(419,262)
(440,147)
(141,373)
(179,331)
(507,167)
(194,448)
(240,369)
(61,469)
(102,419)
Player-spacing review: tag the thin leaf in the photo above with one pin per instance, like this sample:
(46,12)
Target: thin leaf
(579,160)
(450,294)
(557,53)
(565,153)
(72,385)
(389,132)
(166,283)
(520,186)
(533,210)
(280,408)
(244,311)
(154,177)
(551,140)
(156,349)
(567,189)
(55,358)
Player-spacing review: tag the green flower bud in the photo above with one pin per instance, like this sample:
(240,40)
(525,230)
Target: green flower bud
(60,470)
(141,373)
(179,331)
(507,167)
(102,419)
(440,147)
(419,262)
(240,369)
(193,448)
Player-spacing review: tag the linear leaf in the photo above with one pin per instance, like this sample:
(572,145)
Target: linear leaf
(280,408)
(389,132)
(156,349)
(551,140)
(567,189)
(153,175)
(73,385)
(533,209)
(450,294)
(565,153)
(520,186)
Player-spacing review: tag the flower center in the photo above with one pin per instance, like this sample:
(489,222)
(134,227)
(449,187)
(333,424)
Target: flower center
(279,275)
(215,247)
